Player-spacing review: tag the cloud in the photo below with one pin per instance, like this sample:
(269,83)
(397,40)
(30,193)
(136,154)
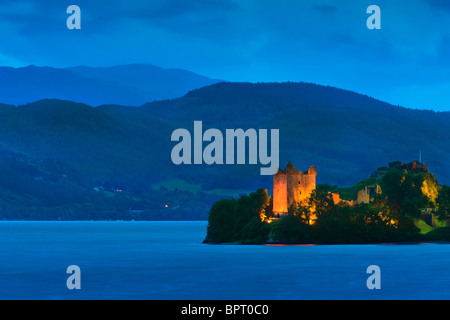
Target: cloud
(325,9)
(440,4)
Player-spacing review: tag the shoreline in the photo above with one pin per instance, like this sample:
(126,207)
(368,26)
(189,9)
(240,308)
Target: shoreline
(328,244)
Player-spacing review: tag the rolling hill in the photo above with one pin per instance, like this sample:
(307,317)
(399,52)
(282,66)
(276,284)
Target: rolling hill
(344,134)
(54,153)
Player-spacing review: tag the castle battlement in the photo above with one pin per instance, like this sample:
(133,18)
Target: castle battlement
(290,170)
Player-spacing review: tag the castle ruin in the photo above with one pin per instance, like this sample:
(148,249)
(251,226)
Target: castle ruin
(291,186)
(367,194)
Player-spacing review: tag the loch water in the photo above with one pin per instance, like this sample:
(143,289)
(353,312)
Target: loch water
(167,260)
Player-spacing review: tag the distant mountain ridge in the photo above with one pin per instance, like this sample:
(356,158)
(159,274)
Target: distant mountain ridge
(130,85)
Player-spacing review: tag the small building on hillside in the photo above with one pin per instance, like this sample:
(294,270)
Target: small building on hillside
(367,194)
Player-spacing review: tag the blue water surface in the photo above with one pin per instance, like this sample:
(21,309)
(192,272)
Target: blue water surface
(167,260)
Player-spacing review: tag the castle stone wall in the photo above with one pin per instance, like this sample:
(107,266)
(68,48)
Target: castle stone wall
(280,205)
(291,186)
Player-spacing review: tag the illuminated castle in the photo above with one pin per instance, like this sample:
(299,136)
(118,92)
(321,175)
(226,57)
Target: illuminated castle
(293,185)
(290,186)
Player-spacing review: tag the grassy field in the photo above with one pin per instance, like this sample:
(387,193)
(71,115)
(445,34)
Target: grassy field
(425,228)
(183,185)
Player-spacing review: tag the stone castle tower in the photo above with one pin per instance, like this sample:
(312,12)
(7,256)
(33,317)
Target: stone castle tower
(291,185)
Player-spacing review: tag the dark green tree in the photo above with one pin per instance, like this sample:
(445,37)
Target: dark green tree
(292,229)
(251,208)
(403,192)
(443,203)
(241,220)
(321,201)
(301,211)
(221,221)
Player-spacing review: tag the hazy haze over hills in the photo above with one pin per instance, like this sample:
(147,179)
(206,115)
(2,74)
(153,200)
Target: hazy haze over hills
(130,85)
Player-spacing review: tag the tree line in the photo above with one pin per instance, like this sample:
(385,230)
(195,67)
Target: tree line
(389,217)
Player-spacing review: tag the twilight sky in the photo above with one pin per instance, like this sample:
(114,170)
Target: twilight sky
(321,41)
